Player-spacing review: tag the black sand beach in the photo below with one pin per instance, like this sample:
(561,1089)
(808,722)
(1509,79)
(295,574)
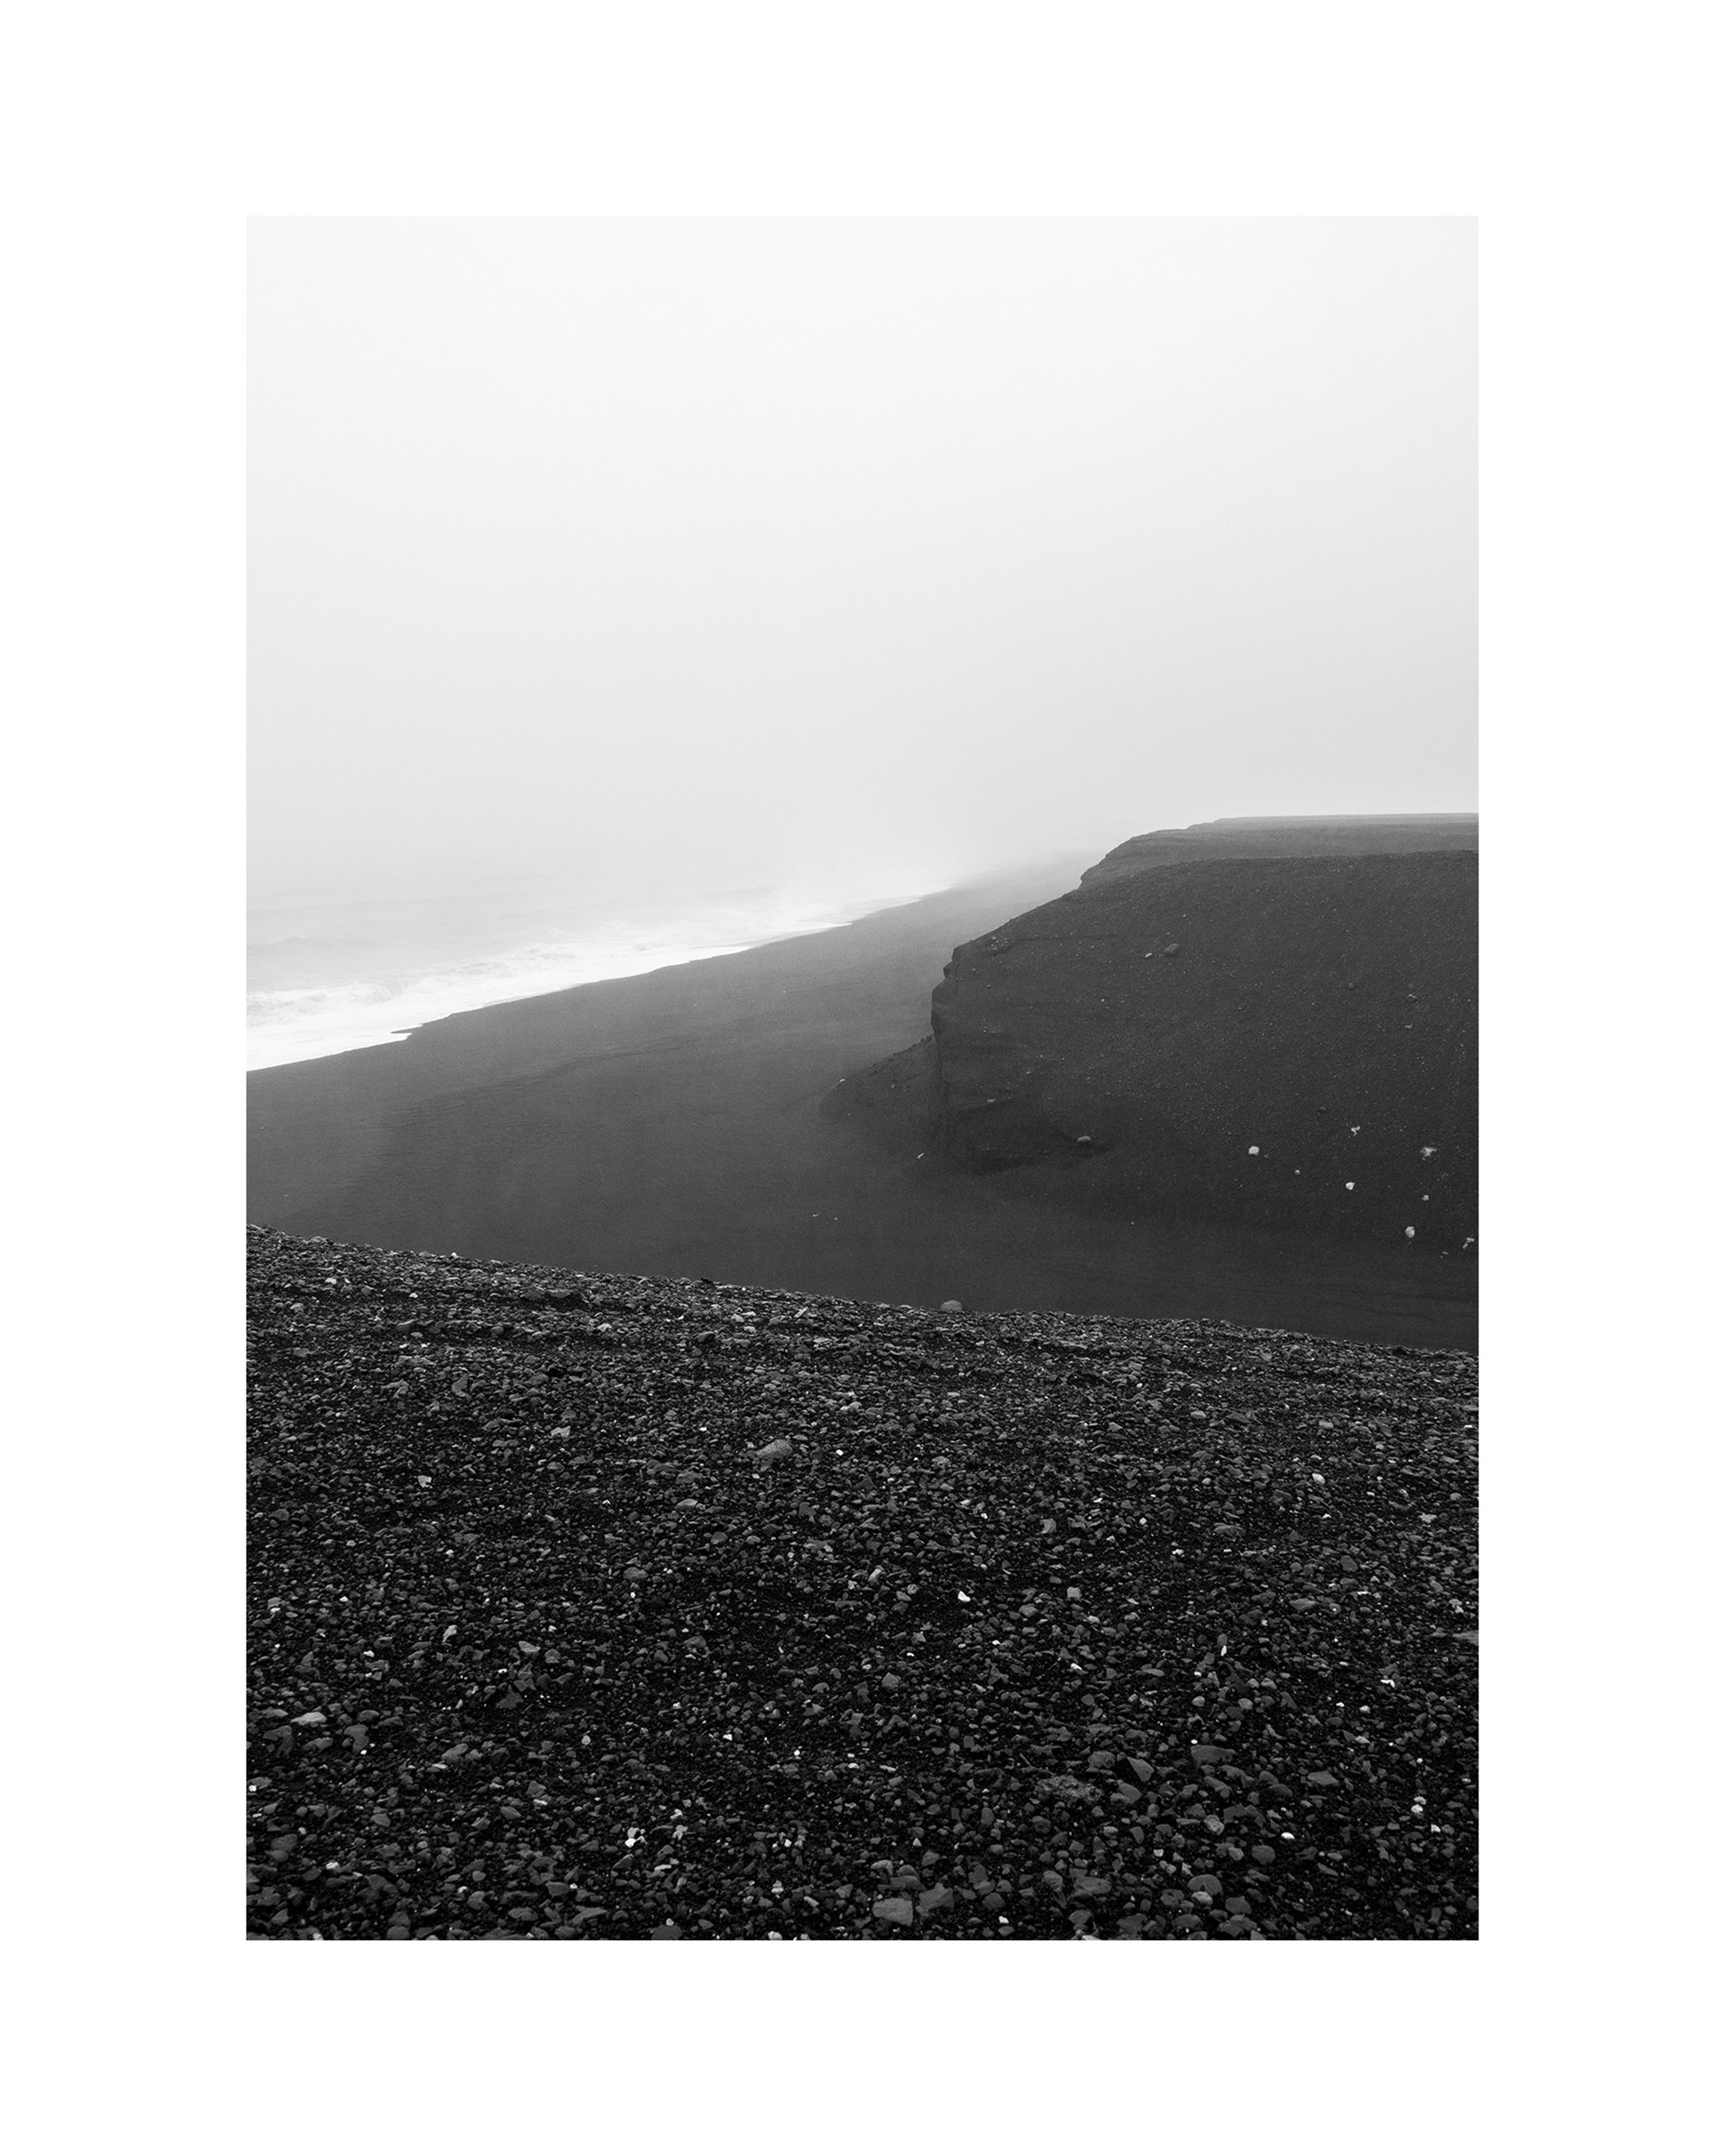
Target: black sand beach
(672,1124)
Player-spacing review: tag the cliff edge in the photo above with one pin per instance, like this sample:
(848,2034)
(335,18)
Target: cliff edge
(1268,1021)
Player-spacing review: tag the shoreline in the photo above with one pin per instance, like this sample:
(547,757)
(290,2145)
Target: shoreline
(670,1124)
(333,1019)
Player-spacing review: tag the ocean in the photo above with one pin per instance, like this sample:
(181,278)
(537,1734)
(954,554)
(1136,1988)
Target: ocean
(326,972)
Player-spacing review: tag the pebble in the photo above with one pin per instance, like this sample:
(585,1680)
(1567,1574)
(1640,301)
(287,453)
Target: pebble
(547,1687)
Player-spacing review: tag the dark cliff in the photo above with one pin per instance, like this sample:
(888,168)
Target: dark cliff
(1272,1023)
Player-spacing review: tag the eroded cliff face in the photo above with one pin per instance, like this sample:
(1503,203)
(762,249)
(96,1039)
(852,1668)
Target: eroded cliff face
(1248,1023)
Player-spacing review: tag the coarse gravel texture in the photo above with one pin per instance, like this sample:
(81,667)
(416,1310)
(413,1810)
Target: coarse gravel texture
(598,1608)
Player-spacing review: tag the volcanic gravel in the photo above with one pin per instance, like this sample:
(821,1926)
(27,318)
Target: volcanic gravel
(595,1608)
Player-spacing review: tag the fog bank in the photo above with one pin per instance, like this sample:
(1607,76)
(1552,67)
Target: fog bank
(737,553)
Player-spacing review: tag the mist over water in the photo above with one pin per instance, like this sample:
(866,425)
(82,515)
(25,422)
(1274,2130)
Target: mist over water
(846,554)
(358,969)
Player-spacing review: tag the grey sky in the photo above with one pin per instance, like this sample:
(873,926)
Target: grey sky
(882,550)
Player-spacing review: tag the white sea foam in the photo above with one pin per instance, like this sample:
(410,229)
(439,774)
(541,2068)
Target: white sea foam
(366,980)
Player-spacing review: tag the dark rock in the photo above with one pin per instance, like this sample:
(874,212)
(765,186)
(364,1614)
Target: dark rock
(1051,1031)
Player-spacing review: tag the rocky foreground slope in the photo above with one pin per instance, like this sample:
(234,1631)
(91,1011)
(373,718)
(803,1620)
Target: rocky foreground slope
(588,1607)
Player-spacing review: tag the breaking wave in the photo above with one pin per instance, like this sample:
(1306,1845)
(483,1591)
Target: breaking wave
(295,1022)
